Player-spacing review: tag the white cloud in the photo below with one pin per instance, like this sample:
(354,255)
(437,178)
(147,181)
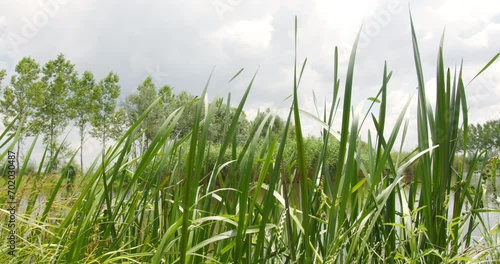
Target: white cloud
(251,34)
(463,10)
(481,38)
(3,65)
(3,21)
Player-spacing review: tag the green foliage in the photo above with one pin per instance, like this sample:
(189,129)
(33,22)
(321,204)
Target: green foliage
(313,147)
(137,103)
(439,128)
(220,125)
(51,99)
(165,92)
(186,123)
(81,106)
(276,124)
(3,72)
(185,199)
(118,121)
(17,100)
(483,137)
(104,97)
(69,171)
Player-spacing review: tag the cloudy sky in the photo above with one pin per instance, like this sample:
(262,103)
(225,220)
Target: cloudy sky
(180,42)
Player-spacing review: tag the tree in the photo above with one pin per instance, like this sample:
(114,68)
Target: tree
(493,129)
(482,137)
(104,96)
(81,105)
(220,124)
(51,100)
(119,124)
(18,98)
(2,75)
(185,124)
(277,127)
(486,136)
(165,93)
(4,101)
(4,104)
(137,103)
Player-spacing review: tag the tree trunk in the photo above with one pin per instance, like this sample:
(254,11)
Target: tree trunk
(103,142)
(144,146)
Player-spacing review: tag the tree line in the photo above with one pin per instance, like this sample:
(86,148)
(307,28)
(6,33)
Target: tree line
(482,137)
(44,100)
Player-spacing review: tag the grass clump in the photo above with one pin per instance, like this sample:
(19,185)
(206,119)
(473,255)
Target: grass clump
(271,197)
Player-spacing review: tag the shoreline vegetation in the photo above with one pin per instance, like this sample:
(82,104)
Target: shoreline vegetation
(202,191)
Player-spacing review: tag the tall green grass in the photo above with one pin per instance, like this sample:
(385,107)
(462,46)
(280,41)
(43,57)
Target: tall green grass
(168,206)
